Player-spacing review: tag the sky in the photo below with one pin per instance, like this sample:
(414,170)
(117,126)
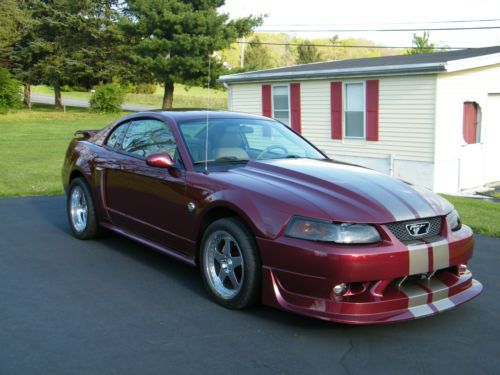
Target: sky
(376,14)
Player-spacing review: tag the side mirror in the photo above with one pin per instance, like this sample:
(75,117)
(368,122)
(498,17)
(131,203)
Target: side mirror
(160,160)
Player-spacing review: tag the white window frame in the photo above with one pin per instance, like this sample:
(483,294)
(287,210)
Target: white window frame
(287,85)
(344,106)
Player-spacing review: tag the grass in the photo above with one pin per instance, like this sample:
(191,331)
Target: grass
(33,145)
(184,97)
(482,216)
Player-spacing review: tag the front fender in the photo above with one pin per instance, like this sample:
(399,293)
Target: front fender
(265,220)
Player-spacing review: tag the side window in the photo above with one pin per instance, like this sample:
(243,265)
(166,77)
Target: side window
(115,139)
(354,111)
(147,137)
(281,110)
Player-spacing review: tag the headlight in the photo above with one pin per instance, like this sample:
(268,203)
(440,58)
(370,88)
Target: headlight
(316,230)
(454,220)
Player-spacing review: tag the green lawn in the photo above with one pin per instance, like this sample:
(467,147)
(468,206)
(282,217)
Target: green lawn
(33,144)
(482,216)
(184,97)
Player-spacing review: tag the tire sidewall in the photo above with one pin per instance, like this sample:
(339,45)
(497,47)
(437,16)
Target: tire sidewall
(250,291)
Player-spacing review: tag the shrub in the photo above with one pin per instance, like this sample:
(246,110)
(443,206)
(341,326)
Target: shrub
(107,98)
(145,88)
(10,92)
(69,88)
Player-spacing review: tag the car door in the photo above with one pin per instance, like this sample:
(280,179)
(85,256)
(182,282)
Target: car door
(147,201)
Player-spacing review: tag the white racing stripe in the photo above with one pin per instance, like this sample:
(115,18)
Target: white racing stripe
(440,253)
(422,310)
(439,292)
(443,304)
(438,289)
(417,300)
(416,295)
(419,258)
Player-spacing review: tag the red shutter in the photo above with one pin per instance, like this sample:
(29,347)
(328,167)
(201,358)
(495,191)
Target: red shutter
(266,101)
(372,110)
(470,116)
(295,106)
(336,109)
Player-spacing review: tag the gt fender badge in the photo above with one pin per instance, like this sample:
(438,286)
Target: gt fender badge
(191,206)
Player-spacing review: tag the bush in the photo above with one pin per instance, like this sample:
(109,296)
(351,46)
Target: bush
(69,88)
(107,98)
(10,92)
(145,88)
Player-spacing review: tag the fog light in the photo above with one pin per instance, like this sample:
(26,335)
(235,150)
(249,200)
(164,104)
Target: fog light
(340,289)
(462,269)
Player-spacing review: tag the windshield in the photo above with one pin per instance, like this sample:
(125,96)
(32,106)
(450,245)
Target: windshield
(239,140)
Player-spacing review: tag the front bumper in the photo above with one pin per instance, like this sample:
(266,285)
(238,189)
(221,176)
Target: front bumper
(388,282)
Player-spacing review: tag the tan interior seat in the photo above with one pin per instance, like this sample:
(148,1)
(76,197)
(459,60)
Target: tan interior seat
(230,144)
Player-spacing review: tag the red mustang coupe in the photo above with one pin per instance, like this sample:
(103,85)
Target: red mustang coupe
(268,217)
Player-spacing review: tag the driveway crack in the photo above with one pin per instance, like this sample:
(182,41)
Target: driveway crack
(346,353)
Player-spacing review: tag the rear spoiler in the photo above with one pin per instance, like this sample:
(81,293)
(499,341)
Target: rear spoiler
(86,133)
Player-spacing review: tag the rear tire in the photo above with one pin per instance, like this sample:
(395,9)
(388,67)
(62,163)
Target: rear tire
(82,217)
(230,264)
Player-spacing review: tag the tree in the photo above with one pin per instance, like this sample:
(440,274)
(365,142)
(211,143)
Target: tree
(11,19)
(421,44)
(65,43)
(9,91)
(257,56)
(173,40)
(307,53)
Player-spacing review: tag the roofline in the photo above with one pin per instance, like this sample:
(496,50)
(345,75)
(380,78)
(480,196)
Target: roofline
(372,70)
(388,70)
(473,62)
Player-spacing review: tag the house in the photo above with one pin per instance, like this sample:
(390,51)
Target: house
(431,119)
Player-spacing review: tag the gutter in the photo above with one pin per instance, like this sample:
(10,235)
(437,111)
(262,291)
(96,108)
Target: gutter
(331,73)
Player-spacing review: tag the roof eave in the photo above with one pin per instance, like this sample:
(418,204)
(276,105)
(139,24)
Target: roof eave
(337,73)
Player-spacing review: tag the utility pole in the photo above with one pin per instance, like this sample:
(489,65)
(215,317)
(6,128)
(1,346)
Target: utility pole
(242,57)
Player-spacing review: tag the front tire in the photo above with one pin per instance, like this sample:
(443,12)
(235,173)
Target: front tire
(230,264)
(81,211)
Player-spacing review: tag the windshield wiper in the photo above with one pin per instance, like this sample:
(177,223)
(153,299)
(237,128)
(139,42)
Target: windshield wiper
(224,159)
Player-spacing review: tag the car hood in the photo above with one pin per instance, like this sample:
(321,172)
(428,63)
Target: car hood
(344,192)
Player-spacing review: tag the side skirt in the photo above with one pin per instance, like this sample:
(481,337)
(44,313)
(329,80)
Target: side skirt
(153,245)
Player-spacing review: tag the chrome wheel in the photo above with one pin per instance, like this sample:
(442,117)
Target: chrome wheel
(223,264)
(79,209)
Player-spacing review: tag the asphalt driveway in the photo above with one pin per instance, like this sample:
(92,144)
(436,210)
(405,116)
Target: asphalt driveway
(113,306)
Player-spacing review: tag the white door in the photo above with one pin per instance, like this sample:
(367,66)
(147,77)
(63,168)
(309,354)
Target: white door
(471,166)
(491,139)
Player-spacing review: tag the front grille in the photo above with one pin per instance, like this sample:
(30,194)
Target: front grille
(399,229)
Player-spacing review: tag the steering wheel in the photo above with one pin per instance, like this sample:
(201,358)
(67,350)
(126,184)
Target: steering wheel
(272,147)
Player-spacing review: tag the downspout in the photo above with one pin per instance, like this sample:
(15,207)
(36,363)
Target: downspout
(392,157)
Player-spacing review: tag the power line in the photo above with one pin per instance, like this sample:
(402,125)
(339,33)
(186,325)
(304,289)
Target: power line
(386,23)
(376,30)
(342,46)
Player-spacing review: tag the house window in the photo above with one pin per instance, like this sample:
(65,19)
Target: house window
(472,123)
(354,110)
(281,104)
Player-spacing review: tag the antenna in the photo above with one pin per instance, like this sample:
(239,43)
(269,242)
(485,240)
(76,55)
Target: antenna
(208,109)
